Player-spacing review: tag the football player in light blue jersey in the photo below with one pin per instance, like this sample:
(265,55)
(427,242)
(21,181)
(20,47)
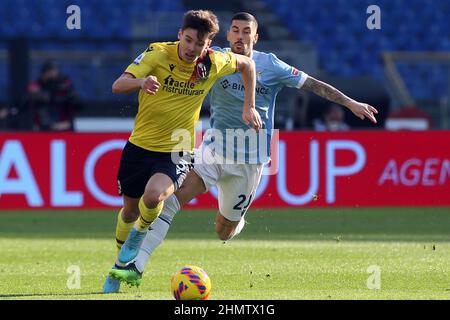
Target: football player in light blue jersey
(235,168)
(272,75)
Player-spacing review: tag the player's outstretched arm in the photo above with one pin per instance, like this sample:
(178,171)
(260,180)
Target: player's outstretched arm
(247,68)
(361,110)
(127,83)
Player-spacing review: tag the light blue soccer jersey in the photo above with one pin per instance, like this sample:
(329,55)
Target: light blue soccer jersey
(227,100)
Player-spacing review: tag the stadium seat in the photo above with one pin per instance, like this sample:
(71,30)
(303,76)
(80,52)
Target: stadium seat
(336,27)
(346,47)
(100,19)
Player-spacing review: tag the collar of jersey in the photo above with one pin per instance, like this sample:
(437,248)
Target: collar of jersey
(228,49)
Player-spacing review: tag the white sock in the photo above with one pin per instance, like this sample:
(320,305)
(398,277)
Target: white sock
(239,228)
(157,232)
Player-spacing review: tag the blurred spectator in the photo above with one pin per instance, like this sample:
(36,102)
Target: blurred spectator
(51,100)
(333,120)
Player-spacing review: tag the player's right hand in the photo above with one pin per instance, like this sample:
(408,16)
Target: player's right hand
(363,110)
(150,85)
(252,117)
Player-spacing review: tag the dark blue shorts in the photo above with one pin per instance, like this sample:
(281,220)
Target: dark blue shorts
(137,165)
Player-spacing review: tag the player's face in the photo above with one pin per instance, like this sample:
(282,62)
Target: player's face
(191,47)
(242,37)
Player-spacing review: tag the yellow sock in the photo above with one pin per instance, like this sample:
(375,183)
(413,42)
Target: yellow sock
(147,215)
(122,230)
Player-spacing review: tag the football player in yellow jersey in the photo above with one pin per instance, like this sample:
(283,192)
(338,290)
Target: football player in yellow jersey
(173,79)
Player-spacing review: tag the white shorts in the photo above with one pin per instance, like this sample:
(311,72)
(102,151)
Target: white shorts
(236,184)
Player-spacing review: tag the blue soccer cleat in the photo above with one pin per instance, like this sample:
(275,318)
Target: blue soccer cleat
(111,285)
(130,248)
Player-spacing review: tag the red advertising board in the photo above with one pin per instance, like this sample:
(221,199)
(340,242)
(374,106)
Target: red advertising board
(358,168)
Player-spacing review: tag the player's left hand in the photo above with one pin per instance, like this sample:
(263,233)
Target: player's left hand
(363,110)
(252,117)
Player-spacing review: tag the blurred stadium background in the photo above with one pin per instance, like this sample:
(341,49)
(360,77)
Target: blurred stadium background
(403,69)
(406,63)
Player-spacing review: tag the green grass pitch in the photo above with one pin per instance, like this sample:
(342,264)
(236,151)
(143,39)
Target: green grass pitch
(281,254)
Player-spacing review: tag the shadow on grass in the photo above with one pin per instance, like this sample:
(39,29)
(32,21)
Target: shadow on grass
(334,224)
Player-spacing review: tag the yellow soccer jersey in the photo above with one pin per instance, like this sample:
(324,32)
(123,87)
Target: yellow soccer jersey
(177,103)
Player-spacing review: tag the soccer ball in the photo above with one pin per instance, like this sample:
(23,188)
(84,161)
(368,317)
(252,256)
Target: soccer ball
(191,283)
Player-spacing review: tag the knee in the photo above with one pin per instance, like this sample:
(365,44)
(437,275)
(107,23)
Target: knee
(224,234)
(152,198)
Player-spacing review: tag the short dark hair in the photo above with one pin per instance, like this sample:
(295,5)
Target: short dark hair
(204,21)
(245,16)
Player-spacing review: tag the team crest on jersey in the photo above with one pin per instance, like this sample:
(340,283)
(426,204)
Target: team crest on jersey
(202,68)
(201,71)
(295,71)
(171,66)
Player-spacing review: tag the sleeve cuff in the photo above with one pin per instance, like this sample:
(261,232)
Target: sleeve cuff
(302,80)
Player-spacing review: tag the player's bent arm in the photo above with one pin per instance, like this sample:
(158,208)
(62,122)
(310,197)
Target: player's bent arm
(246,67)
(127,83)
(361,110)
